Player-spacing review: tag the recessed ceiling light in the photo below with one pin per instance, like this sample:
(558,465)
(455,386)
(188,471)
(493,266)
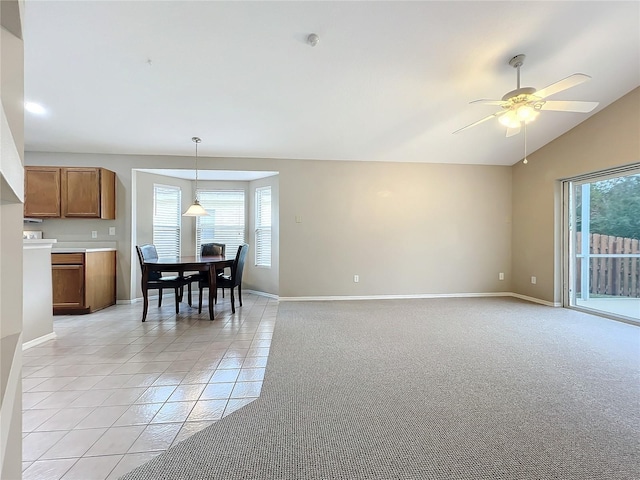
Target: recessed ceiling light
(33,107)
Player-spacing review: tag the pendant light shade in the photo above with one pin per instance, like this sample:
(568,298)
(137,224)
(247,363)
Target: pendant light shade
(196,210)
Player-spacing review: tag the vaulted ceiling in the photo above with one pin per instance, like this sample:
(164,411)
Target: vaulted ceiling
(387,81)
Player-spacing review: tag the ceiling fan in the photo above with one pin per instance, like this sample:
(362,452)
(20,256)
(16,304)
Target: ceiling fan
(522,105)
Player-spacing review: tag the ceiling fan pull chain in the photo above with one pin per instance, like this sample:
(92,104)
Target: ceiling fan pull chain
(525,161)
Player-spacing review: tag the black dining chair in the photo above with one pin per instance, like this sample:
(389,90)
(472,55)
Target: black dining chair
(211,249)
(228,281)
(156,281)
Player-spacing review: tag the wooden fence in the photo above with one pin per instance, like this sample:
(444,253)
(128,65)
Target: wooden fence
(611,276)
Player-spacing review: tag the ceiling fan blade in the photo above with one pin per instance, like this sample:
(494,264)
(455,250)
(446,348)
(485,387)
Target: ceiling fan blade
(490,102)
(495,115)
(568,106)
(512,131)
(565,83)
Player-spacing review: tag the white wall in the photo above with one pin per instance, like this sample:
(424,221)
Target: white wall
(37,308)
(11,184)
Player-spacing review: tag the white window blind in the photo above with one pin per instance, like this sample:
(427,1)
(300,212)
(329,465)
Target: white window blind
(263,227)
(225,222)
(166,220)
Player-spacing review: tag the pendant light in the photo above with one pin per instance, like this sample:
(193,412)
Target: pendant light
(195,210)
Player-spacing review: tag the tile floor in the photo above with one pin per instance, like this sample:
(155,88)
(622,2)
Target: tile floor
(110,392)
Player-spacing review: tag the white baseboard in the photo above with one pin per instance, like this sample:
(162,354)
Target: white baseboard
(394,297)
(416,296)
(126,302)
(331,298)
(38,341)
(262,294)
(536,300)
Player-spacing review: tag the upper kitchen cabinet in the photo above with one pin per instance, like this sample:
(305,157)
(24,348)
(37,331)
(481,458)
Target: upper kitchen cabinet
(70,192)
(42,192)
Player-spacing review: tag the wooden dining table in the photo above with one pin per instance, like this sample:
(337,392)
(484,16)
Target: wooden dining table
(180,265)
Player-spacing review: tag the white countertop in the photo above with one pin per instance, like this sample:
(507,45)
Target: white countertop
(39,243)
(84,247)
(81,249)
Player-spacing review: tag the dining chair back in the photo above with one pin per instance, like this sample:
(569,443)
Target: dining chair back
(154,280)
(229,281)
(211,249)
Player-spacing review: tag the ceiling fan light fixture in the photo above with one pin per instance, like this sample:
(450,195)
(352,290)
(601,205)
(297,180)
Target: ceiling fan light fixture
(526,113)
(510,119)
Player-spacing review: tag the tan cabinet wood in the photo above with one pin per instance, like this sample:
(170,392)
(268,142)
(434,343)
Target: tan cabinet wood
(42,192)
(68,288)
(72,192)
(83,282)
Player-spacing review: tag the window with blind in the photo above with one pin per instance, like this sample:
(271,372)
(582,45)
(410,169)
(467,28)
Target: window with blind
(225,222)
(166,220)
(263,227)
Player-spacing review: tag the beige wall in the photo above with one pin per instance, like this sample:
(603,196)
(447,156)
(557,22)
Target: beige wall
(608,139)
(406,229)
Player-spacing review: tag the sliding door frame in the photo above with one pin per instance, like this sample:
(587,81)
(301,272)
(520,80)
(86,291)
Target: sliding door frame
(568,244)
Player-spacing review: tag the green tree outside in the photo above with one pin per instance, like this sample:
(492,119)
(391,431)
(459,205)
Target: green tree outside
(615,207)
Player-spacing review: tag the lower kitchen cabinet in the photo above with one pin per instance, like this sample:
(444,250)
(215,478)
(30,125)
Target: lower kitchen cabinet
(83,282)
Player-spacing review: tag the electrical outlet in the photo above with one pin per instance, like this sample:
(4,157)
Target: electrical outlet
(94,234)
(501,276)
(356,278)
(534,280)
(298,218)
(112,230)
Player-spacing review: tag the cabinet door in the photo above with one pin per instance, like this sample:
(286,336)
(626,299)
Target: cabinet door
(68,286)
(41,192)
(81,192)
(100,279)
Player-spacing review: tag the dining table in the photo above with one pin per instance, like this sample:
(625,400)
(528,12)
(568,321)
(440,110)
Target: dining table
(182,264)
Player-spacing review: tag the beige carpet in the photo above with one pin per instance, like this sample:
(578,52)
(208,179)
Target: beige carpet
(489,388)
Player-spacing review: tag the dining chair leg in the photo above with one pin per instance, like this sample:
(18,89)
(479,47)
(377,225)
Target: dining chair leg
(200,302)
(233,302)
(240,294)
(159,298)
(210,307)
(177,300)
(189,293)
(145,304)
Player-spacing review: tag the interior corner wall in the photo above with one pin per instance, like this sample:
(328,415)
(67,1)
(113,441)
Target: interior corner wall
(264,279)
(11,253)
(606,140)
(143,207)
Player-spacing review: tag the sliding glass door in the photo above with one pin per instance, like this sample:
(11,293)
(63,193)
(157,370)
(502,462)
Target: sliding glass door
(603,241)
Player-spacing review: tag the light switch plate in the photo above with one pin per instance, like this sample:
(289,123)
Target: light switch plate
(112,230)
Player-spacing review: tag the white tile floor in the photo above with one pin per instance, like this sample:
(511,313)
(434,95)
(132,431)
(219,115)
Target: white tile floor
(110,392)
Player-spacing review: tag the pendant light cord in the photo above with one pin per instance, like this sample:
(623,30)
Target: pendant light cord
(196,140)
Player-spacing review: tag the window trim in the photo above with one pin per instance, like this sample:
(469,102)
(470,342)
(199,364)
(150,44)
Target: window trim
(261,228)
(160,246)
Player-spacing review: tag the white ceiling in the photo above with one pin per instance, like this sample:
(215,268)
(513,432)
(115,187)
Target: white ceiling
(388,81)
